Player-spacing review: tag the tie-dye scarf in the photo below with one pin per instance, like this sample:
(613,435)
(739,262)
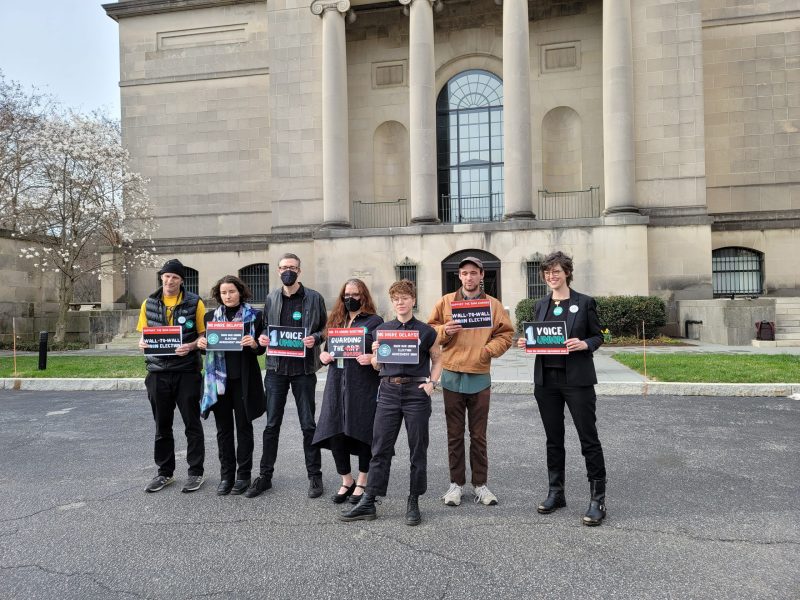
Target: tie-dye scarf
(216,376)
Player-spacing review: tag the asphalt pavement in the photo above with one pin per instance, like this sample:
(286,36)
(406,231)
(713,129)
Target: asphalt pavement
(702,500)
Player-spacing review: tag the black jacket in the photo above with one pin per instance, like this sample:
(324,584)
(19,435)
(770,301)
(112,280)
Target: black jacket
(252,385)
(314,318)
(584,325)
(185,311)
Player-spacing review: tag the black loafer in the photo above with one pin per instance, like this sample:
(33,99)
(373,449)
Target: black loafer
(240,487)
(224,488)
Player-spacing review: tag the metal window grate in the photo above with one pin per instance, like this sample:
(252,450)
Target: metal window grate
(256,276)
(737,272)
(407,270)
(536,287)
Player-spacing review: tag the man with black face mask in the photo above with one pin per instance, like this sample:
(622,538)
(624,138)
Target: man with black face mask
(292,305)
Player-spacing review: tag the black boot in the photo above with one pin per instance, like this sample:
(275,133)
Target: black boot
(413,517)
(363,511)
(555,497)
(597,505)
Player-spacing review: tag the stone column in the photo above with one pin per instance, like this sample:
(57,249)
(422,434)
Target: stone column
(618,145)
(335,151)
(422,112)
(517,111)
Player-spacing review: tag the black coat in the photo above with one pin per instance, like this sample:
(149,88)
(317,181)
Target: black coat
(349,400)
(584,325)
(252,384)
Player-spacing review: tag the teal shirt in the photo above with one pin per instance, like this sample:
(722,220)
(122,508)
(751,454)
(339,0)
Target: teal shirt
(465,383)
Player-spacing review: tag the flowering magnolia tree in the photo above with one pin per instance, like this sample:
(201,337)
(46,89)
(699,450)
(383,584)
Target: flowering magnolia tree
(22,113)
(87,212)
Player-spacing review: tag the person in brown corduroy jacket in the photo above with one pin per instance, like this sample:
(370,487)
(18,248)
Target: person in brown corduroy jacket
(466,382)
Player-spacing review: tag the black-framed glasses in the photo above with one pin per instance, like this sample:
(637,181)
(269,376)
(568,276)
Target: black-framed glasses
(295,269)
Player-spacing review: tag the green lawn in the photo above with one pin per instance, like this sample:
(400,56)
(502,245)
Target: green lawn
(716,368)
(78,366)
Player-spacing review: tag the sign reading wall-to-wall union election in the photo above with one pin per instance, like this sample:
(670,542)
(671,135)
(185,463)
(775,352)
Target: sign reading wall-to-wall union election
(472,314)
(547,337)
(346,342)
(162,341)
(286,341)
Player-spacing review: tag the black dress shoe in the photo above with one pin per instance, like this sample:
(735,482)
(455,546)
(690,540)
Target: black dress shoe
(413,516)
(315,488)
(353,499)
(260,484)
(224,488)
(363,511)
(339,498)
(240,487)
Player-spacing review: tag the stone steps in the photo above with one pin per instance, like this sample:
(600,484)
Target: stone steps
(787,324)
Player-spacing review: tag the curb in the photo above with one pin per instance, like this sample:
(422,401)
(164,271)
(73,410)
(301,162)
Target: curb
(621,388)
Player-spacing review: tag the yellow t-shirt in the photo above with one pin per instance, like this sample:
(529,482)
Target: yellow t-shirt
(171,302)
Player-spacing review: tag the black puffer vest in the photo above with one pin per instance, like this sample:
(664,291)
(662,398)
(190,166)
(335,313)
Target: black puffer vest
(184,315)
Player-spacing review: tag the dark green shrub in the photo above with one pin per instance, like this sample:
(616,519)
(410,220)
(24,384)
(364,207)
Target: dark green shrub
(623,315)
(524,311)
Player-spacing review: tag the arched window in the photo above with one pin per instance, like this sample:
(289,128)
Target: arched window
(737,272)
(191,282)
(469,136)
(256,277)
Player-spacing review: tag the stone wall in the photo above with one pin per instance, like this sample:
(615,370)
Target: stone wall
(725,321)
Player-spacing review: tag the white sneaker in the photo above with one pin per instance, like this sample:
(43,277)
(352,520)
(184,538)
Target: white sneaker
(484,496)
(453,495)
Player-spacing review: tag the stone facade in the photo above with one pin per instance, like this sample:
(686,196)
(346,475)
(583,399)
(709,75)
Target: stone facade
(267,127)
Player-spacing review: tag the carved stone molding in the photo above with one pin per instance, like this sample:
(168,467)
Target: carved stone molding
(320,6)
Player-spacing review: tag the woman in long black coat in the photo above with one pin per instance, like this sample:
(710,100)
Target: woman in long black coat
(351,389)
(233,388)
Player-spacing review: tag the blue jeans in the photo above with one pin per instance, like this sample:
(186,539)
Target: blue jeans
(277,387)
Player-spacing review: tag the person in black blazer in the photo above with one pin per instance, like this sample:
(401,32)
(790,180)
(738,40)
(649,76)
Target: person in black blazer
(569,379)
(233,387)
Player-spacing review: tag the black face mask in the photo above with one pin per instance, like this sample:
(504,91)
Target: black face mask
(288,278)
(352,304)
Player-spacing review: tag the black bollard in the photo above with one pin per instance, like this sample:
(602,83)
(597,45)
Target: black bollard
(42,350)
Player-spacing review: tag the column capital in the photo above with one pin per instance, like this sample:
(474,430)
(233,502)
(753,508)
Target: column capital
(320,6)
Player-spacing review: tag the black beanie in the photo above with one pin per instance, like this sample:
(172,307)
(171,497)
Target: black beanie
(173,265)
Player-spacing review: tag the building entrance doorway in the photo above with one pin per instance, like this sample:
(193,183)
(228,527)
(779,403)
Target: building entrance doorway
(491,272)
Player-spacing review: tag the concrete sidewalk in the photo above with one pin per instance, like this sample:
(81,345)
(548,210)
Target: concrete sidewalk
(511,374)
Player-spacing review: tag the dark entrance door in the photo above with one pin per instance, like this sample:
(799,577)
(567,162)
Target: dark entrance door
(491,272)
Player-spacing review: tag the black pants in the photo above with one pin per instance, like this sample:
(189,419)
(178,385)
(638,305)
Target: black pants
(166,390)
(551,398)
(277,389)
(398,402)
(342,447)
(229,408)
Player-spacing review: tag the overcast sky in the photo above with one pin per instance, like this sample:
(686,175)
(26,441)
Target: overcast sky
(68,48)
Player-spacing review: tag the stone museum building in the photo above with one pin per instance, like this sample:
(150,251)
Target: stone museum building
(657,141)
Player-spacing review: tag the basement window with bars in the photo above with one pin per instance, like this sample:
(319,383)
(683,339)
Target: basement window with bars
(256,277)
(407,270)
(737,272)
(537,288)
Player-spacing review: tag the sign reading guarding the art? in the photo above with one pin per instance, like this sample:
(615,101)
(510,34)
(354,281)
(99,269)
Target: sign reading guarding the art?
(286,341)
(346,342)
(225,336)
(162,341)
(398,346)
(547,337)
(472,314)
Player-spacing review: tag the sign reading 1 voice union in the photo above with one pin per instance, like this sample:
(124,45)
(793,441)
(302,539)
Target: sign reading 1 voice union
(286,341)
(548,337)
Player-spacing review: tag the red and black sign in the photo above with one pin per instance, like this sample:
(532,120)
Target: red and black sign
(472,314)
(399,347)
(346,342)
(162,341)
